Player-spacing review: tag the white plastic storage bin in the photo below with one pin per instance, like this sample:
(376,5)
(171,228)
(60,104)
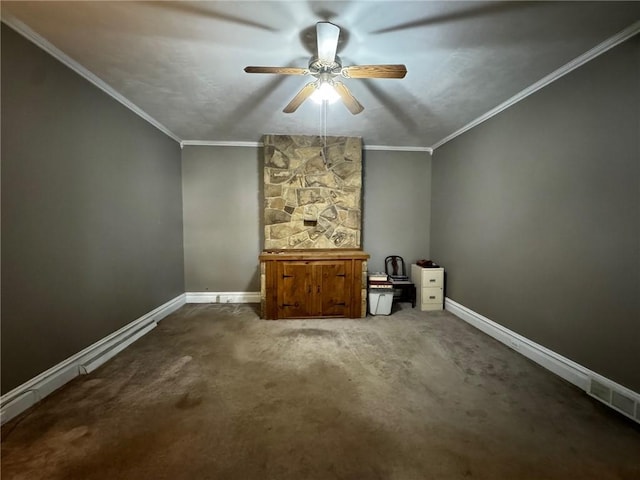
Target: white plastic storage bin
(380,302)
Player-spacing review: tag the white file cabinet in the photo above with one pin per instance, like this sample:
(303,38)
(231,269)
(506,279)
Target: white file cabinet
(429,284)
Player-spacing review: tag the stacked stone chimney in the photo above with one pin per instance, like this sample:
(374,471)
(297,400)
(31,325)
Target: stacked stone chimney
(313,191)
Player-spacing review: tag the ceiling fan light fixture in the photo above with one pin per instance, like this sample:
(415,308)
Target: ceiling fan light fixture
(325,92)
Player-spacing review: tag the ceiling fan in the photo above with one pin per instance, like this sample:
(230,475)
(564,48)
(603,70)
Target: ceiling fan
(325,67)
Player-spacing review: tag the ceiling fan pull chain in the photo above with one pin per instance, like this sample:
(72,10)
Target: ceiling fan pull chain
(323,126)
(324,121)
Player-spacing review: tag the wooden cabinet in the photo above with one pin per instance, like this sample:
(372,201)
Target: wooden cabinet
(314,288)
(313,283)
(429,287)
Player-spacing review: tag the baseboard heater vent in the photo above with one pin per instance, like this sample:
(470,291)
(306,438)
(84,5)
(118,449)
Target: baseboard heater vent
(607,391)
(111,349)
(610,395)
(22,397)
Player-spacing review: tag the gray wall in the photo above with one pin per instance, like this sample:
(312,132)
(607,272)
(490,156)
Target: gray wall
(222,199)
(396,206)
(91,213)
(536,216)
(223,225)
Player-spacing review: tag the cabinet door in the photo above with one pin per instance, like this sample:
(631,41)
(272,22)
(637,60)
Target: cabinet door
(334,288)
(295,290)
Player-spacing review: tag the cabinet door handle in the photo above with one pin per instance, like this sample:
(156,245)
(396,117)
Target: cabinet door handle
(432,297)
(318,290)
(432,280)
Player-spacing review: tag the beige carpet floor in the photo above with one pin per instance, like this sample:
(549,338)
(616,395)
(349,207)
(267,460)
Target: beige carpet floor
(216,393)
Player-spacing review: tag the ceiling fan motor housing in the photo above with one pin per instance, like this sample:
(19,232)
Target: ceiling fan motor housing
(318,67)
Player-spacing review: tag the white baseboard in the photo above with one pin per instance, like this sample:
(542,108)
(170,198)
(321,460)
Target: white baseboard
(223,297)
(21,398)
(571,371)
(24,396)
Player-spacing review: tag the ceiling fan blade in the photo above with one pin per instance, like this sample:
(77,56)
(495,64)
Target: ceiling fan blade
(279,70)
(300,97)
(327,37)
(348,99)
(374,71)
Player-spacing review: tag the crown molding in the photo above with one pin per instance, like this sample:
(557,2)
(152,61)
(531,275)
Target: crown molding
(45,45)
(56,53)
(388,148)
(596,51)
(217,143)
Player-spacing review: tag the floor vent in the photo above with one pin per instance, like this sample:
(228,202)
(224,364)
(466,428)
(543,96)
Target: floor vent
(619,400)
(600,391)
(623,403)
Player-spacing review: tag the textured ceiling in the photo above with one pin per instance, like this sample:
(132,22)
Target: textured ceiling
(182,62)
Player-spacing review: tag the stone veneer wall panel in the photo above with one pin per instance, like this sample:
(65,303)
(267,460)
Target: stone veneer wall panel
(313,192)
